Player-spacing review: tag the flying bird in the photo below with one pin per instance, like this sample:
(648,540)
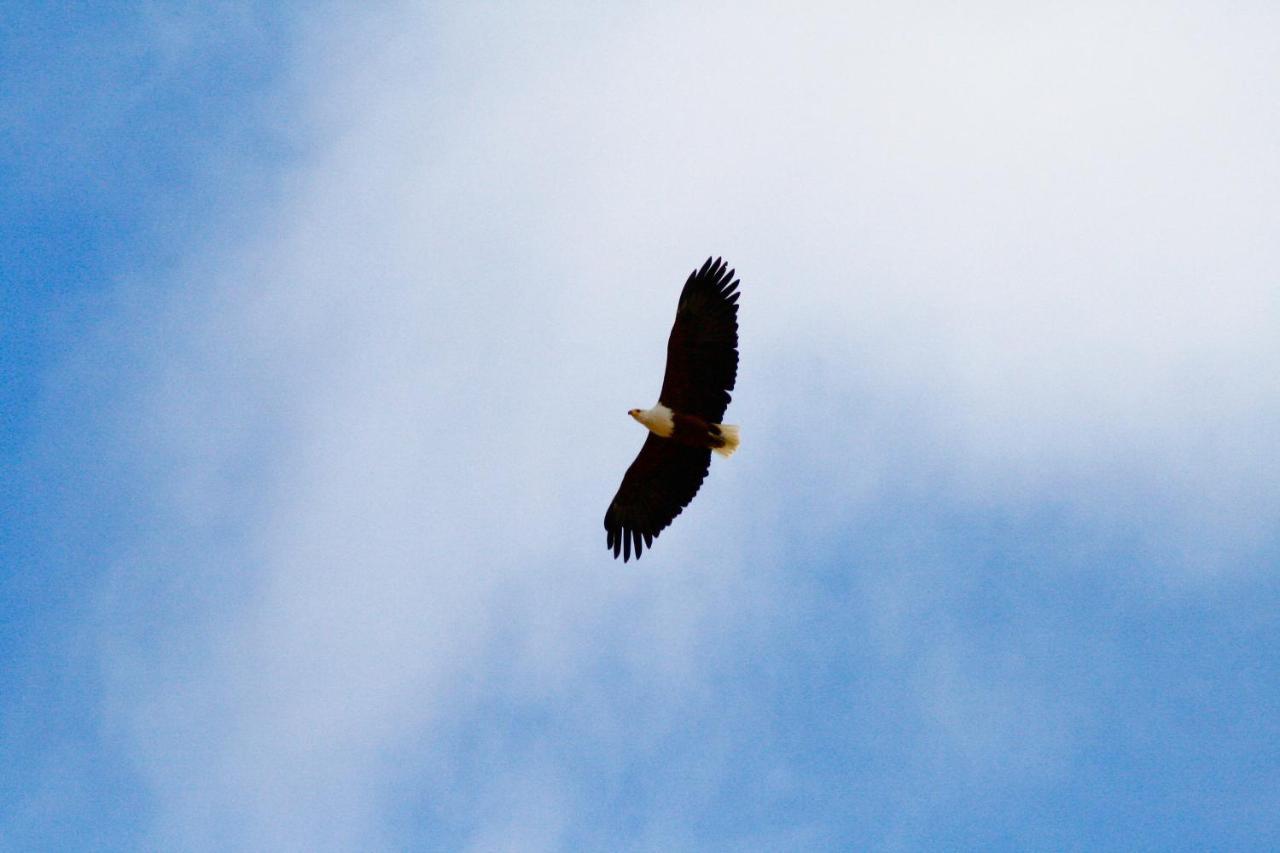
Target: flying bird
(684,426)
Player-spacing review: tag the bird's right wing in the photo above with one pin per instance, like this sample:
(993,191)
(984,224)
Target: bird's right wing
(657,486)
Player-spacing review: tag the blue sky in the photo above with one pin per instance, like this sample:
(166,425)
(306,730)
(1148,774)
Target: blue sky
(318,329)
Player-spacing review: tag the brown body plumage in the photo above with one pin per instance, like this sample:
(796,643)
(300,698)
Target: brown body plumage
(696,432)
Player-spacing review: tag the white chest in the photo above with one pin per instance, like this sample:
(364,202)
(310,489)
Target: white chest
(658,419)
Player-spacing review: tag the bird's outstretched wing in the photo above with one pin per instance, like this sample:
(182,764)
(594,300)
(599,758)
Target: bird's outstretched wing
(702,352)
(657,486)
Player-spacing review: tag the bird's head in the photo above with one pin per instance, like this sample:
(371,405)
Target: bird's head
(635,413)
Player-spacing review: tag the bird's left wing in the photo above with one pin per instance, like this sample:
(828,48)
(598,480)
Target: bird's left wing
(659,484)
(702,351)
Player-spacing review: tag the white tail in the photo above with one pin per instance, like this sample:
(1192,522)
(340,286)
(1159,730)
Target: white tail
(729,432)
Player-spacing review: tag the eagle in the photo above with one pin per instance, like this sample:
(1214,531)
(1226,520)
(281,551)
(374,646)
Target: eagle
(684,426)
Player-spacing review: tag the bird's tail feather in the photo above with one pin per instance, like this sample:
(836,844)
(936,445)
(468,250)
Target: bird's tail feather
(729,432)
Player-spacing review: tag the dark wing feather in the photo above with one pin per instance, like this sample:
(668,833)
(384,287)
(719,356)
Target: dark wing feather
(657,486)
(702,352)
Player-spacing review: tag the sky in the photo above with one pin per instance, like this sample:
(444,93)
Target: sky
(319,323)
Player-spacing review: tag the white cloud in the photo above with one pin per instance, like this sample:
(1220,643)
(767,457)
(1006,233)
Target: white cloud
(1029,249)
